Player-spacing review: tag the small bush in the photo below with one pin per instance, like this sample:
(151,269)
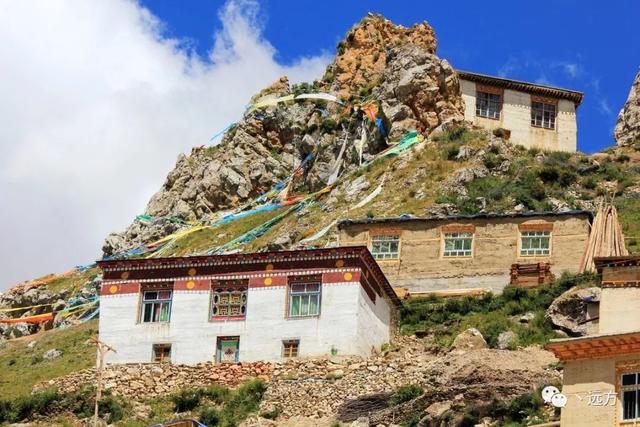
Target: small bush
(549,174)
(217,393)
(590,182)
(210,417)
(406,393)
(185,400)
(245,400)
(271,414)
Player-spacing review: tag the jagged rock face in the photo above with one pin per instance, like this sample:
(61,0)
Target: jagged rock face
(393,66)
(627,131)
(419,91)
(362,56)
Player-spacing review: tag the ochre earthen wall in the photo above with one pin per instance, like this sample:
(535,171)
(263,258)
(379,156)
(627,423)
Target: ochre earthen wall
(421,265)
(599,378)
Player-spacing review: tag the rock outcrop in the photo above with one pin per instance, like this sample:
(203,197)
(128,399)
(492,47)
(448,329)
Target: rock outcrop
(568,312)
(379,67)
(627,130)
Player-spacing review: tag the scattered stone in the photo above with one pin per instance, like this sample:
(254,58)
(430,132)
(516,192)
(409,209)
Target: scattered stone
(52,354)
(527,317)
(507,340)
(355,187)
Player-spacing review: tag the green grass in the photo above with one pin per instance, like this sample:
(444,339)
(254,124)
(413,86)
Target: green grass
(22,367)
(74,282)
(629,215)
(490,314)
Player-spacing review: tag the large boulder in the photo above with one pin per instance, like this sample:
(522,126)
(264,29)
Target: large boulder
(471,339)
(627,130)
(568,312)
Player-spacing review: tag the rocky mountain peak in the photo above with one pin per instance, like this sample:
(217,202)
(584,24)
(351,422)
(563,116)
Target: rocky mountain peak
(362,56)
(627,131)
(387,81)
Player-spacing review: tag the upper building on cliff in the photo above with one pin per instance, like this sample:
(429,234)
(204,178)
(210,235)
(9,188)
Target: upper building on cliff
(530,114)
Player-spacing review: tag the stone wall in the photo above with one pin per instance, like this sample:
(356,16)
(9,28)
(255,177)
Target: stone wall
(142,381)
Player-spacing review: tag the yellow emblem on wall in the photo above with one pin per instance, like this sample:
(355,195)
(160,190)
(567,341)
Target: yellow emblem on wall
(191,284)
(124,275)
(340,263)
(113,289)
(268,281)
(347,276)
(192,272)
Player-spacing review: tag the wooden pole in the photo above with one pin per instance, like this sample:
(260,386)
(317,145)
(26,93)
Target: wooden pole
(103,349)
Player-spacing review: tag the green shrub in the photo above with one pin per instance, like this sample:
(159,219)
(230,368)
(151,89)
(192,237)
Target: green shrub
(217,393)
(492,160)
(245,399)
(185,400)
(328,125)
(271,414)
(590,182)
(406,393)
(549,174)
(210,417)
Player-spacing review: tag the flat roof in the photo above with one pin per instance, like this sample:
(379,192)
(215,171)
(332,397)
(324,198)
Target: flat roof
(410,218)
(354,256)
(535,88)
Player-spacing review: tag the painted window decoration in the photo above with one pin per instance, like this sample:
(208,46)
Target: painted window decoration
(161,353)
(290,348)
(535,243)
(385,247)
(156,306)
(458,244)
(228,349)
(229,302)
(488,105)
(304,299)
(630,394)
(543,115)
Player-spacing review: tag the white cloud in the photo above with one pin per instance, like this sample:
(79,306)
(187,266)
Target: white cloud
(604,107)
(96,105)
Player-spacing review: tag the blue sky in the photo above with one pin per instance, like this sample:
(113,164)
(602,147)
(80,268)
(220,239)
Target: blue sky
(593,47)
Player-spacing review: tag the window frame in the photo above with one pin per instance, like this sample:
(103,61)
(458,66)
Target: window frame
(229,287)
(291,294)
(292,341)
(489,102)
(156,346)
(525,233)
(446,235)
(538,120)
(152,302)
(629,388)
(385,238)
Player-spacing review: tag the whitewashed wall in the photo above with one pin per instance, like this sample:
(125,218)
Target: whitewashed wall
(348,322)
(516,117)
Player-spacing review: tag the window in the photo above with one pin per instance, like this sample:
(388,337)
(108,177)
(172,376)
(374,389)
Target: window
(543,115)
(385,247)
(535,243)
(229,302)
(630,394)
(457,244)
(156,306)
(304,299)
(162,353)
(290,348)
(488,105)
